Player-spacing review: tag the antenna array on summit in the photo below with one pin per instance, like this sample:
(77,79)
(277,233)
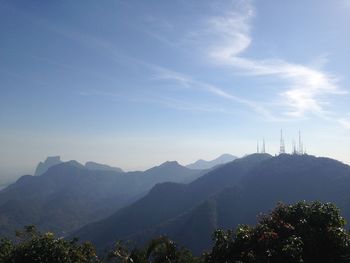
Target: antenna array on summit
(297,148)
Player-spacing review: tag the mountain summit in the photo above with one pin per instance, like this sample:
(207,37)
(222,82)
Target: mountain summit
(102,167)
(225,197)
(203,164)
(49,162)
(69,195)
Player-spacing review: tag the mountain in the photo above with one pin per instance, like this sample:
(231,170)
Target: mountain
(69,195)
(202,164)
(165,202)
(4,183)
(49,162)
(223,198)
(171,171)
(102,167)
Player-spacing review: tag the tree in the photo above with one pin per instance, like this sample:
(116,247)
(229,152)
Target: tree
(6,250)
(122,254)
(158,250)
(296,233)
(300,233)
(35,247)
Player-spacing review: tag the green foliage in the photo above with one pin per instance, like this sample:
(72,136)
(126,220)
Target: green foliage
(290,233)
(122,254)
(34,247)
(6,249)
(158,250)
(300,233)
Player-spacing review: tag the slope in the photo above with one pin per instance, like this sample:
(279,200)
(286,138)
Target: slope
(69,195)
(203,164)
(166,201)
(230,195)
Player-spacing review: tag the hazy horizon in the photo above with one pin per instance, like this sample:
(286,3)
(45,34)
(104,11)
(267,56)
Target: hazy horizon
(133,84)
(12,176)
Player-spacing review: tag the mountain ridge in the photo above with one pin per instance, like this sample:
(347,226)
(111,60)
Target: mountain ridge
(50,161)
(224,197)
(204,164)
(68,195)
(102,167)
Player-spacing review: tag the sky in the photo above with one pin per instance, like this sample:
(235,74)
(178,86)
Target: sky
(136,83)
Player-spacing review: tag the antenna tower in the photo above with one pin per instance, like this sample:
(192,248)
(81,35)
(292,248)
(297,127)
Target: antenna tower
(263,146)
(294,148)
(282,146)
(300,150)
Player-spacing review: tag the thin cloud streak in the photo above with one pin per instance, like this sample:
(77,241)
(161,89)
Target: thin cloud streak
(110,50)
(189,82)
(345,123)
(163,101)
(306,87)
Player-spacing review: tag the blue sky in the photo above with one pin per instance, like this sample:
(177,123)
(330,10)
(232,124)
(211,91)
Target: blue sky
(136,83)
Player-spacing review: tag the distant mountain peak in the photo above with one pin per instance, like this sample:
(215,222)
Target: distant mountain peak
(224,155)
(256,156)
(64,168)
(74,163)
(169,164)
(49,162)
(102,167)
(203,164)
(166,166)
(225,197)
(53,159)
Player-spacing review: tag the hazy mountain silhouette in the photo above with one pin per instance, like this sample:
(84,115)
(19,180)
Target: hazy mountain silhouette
(102,167)
(49,162)
(232,194)
(203,164)
(167,201)
(69,195)
(170,170)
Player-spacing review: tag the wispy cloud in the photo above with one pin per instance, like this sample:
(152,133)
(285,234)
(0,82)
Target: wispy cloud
(225,40)
(186,106)
(163,101)
(231,33)
(190,82)
(345,123)
(305,88)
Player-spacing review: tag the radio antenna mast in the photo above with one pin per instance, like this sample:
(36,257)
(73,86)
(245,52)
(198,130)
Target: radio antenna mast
(282,146)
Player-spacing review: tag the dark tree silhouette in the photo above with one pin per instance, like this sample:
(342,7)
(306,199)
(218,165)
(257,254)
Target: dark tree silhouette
(158,250)
(35,247)
(301,232)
